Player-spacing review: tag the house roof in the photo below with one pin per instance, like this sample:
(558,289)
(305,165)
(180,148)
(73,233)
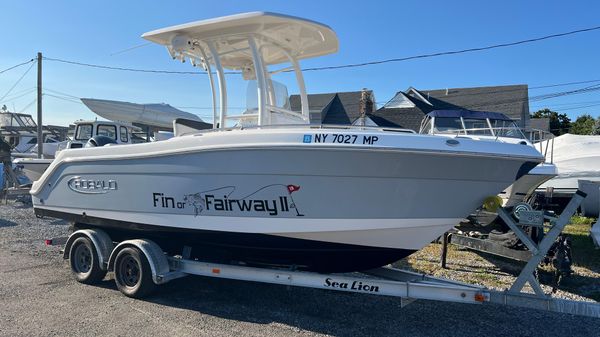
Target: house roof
(468,114)
(331,108)
(511,100)
(408,118)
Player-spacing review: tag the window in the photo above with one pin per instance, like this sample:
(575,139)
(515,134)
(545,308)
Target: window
(109,131)
(448,124)
(32,141)
(124,135)
(84,132)
(504,128)
(477,127)
(426,129)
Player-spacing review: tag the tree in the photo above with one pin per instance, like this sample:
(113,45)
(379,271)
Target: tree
(583,125)
(596,130)
(559,123)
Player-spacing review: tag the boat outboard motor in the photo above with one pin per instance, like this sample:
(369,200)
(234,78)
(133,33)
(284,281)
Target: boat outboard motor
(100,141)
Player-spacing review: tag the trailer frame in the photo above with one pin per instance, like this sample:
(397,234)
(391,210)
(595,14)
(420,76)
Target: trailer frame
(387,281)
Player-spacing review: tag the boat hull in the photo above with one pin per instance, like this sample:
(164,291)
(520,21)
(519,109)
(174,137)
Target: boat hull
(525,186)
(379,203)
(248,248)
(33,168)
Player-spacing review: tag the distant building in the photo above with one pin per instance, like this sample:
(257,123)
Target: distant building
(406,109)
(540,124)
(335,108)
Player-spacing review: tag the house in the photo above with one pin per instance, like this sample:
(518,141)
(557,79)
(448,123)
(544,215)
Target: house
(540,124)
(406,109)
(336,108)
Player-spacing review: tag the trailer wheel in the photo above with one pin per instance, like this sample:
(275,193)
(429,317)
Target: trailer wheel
(85,262)
(133,275)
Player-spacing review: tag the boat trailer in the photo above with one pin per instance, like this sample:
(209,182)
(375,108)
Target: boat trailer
(140,265)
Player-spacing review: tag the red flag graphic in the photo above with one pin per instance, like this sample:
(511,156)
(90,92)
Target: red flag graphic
(292,188)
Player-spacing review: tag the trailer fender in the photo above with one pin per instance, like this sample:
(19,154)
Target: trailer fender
(102,242)
(153,253)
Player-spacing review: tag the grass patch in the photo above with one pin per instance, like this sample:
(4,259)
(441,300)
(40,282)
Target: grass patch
(496,272)
(584,252)
(581,220)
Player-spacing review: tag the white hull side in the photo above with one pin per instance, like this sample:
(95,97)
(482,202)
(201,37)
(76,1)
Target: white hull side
(409,234)
(389,195)
(33,168)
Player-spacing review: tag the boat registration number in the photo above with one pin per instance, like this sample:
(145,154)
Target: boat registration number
(337,138)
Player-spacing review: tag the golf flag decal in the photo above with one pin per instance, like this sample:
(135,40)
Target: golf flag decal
(292,188)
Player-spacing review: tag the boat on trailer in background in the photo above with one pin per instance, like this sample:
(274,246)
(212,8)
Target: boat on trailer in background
(496,127)
(266,187)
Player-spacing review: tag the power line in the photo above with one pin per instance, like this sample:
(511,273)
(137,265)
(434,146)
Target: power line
(29,104)
(63,98)
(352,65)
(453,52)
(19,94)
(570,103)
(17,82)
(130,48)
(578,107)
(61,93)
(564,84)
(16,66)
(587,89)
(123,68)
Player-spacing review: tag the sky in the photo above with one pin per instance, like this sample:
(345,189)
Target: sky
(100,32)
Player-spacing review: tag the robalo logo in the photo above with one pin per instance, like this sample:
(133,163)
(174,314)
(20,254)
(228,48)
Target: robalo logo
(91,186)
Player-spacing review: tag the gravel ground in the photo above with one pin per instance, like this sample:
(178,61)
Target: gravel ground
(39,297)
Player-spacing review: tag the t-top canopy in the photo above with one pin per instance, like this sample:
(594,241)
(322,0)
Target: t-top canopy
(469,114)
(299,37)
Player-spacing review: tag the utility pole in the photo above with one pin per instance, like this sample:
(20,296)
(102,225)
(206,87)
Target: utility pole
(40,136)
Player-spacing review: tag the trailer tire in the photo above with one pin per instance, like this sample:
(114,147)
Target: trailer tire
(85,262)
(133,275)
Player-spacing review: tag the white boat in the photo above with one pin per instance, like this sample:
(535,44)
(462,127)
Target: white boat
(495,127)
(20,132)
(120,133)
(577,158)
(283,192)
(153,114)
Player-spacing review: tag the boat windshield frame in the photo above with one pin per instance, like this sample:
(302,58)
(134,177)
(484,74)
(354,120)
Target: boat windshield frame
(429,122)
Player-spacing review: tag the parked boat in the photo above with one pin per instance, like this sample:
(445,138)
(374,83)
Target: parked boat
(156,114)
(283,192)
(120,133)
(20,132)
(495,127)
(577,158)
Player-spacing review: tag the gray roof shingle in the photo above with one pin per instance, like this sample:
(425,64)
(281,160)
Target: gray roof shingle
(407,118)
(511,100)
(332,108)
